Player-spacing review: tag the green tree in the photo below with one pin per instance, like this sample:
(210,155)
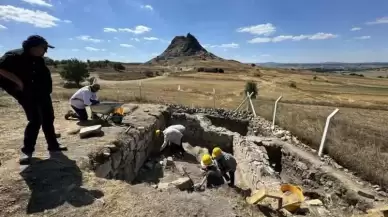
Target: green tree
(251,86)
(75,71)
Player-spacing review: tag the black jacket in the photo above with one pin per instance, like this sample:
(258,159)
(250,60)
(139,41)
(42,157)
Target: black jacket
(33,72)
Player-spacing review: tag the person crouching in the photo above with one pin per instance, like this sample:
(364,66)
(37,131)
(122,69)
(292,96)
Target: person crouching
(213,176)
(227,164)
(86,96)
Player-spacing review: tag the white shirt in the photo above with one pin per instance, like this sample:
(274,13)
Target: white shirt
(171,135)
(82,97)
(179,127)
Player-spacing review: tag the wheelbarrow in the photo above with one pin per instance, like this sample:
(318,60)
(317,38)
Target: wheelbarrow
(104,111)
(108,111)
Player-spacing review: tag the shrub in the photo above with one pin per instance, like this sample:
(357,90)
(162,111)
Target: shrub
(118,67)
(75,71)
(253,65)
(257,74)
(148,73)
(250,87)
(292,84)
(220,71)
(380,76)
(315,77)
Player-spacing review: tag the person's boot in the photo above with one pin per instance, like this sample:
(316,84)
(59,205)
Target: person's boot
(25,159)
(58,148)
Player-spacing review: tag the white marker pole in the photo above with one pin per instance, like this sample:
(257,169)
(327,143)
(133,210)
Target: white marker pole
(214,98)
(242,103)
(325,131)
(140,88)
(274,112)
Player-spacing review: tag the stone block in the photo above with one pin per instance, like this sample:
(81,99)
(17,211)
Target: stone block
(182,184)
(116,159)
(86,132)
(104,169)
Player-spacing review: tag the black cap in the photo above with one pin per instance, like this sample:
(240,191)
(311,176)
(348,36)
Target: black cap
(35,40)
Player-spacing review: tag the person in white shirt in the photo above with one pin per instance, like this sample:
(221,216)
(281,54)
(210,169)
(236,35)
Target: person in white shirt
(172,139)
(86,96)
(179,127)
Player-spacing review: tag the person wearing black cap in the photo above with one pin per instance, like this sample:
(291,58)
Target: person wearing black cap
(25,76)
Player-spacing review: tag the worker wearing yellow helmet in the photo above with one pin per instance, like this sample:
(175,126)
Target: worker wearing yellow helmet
(213,176)
(227,164)
(173,139)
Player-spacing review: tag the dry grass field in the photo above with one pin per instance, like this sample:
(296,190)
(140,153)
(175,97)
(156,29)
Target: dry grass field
(357,135)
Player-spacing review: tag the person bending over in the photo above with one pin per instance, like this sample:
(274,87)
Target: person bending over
(172,140)
(227,164)
(86,96)
(213,176)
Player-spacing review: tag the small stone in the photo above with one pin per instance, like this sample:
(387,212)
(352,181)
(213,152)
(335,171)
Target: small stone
(302,166)
(315,202)
(86,132)
(103,170)
(182,184)
(366,194)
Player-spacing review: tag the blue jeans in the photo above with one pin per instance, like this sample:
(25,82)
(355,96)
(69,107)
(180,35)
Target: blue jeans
(82,114)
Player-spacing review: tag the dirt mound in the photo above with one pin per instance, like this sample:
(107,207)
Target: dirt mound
(185,46)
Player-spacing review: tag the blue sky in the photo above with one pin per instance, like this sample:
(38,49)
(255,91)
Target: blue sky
(245,30)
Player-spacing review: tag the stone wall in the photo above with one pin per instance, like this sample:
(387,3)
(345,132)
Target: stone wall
(123,158)
(201,132)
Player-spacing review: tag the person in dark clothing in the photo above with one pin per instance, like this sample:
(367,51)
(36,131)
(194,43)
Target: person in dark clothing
(25,76)
(213,176)
(227,164)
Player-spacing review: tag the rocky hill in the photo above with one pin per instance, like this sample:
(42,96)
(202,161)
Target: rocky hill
(184,47)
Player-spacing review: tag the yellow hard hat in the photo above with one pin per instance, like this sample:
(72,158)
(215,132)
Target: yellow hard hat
(207,159)
(157,132)
(216,152)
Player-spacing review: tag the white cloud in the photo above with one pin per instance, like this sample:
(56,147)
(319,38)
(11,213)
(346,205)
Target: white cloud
(93,49)
(140,29)
(317,36)
(382,20)
(355,29)
(88,38)
(261,29)
(154,54)
(363,37)
(67,21)
(2,27)
(322,36)
(259,40)
(265,55)
(115,38)
(38,2)
(75,49)
(148,7)
(137,30)
(126,45)
(151,38)
(231,45)
(135,39)
(110,29)
(36,18)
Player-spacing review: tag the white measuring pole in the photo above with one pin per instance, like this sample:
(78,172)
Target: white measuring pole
(325,131)
(274,112)
(140,88)
(252,107)
(245,99)
(214,98)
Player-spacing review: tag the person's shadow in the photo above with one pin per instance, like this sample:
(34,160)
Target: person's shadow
(55,181)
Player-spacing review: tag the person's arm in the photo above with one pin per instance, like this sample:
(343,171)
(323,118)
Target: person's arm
(165,142)
(86,97)
(6,63)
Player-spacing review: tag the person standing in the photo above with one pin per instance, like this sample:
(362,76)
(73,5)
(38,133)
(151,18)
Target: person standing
(86,96)
(25,76)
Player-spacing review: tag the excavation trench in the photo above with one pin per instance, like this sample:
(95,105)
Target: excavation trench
(262,162)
